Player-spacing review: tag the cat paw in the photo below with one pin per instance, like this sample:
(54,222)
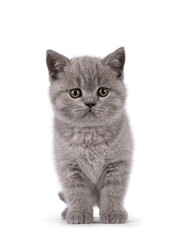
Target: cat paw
(114,216)
(79,217)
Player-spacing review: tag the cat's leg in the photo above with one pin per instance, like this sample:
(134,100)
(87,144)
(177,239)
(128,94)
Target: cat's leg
(64,213)
(112,188)
(61,196)
(78,197)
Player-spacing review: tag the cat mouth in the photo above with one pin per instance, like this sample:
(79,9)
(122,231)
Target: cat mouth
(89,113)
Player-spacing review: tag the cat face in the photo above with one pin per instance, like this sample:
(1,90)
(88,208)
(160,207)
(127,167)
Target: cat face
(87,90)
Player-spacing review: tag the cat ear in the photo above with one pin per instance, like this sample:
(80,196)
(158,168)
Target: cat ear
(116,60)
(55,63)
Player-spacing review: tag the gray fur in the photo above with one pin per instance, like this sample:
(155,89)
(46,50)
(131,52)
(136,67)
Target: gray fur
(93,148)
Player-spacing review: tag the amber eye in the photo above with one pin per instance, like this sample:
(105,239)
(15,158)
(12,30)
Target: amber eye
(75,93)
(103,92)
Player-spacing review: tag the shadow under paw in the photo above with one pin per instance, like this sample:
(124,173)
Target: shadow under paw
(114,216)
(79,217)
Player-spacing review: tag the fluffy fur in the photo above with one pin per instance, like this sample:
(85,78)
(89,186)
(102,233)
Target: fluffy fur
(92,146)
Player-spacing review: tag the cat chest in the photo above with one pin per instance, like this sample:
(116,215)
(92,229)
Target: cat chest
(90,152)
(91,161)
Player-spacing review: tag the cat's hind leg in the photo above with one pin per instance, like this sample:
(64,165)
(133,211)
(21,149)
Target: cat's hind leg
(61,196)
(64,213)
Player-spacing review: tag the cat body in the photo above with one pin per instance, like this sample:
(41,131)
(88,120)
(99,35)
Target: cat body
(92,138)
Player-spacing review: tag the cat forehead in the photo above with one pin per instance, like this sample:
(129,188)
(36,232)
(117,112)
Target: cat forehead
(88,72)
(86,65)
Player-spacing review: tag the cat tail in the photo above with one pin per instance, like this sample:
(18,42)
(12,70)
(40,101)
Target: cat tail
(61,196)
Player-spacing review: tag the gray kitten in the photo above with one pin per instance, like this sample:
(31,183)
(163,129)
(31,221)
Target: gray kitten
(92,138)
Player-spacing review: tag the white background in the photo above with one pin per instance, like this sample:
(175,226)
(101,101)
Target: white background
(150,33)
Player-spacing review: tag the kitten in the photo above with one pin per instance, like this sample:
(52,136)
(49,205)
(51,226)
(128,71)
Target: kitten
(92,138)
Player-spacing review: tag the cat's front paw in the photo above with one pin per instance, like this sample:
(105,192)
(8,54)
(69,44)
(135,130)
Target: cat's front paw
(114,216)
(79,217)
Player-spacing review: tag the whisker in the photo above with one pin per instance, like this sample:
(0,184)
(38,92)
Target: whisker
(79,110)
(101,108)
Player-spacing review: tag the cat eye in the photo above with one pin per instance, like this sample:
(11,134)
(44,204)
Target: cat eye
(103,92)
(75,93)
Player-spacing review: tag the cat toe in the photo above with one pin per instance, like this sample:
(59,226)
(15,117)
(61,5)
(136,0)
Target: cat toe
(114,216)
(79,217)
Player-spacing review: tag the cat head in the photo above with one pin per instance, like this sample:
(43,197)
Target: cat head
(87,90)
